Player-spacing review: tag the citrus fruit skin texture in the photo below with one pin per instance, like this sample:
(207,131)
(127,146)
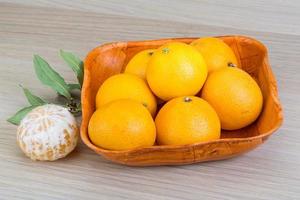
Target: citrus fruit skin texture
(187,120)
(122,125)
(126,86)
(176,69)
(217,54)
(235,95)
(139,63)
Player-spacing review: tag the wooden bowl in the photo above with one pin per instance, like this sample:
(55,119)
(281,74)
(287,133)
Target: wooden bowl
(109,59)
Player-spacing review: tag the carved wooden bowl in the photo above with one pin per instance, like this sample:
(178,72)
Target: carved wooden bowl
(109,59)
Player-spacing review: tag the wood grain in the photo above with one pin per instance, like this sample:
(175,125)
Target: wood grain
(43,27)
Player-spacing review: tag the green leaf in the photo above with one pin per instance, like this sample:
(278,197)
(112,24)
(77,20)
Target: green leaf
(75,63)
(16,119)
(32,99)
(50,77)
(74,86)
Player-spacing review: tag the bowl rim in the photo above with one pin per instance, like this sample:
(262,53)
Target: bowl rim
(273,93)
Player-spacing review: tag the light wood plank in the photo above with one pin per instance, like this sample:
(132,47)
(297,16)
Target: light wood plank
(263,15)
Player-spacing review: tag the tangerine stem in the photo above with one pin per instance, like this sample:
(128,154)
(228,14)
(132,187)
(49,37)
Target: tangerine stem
(187,99)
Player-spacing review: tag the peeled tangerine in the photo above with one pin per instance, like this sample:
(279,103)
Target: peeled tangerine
(48,132)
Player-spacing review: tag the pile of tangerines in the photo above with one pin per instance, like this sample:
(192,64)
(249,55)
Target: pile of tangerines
(176,94)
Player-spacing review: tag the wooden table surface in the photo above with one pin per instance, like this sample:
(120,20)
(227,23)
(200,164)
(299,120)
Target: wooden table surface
(42,27)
